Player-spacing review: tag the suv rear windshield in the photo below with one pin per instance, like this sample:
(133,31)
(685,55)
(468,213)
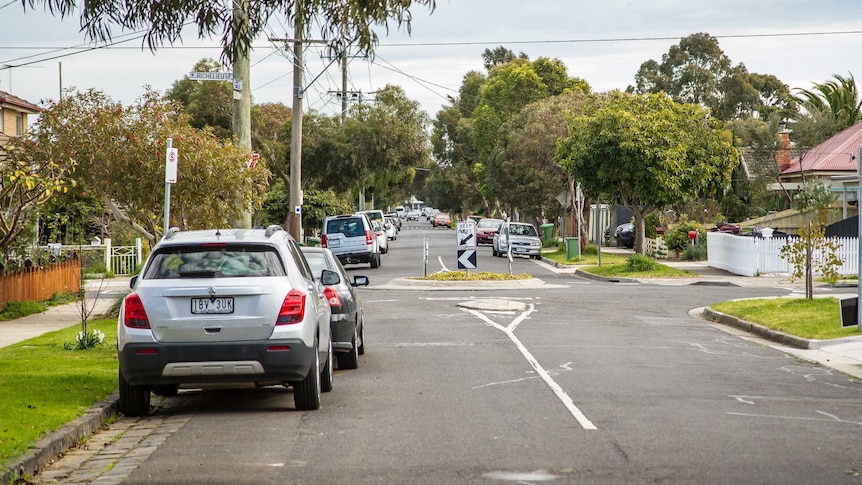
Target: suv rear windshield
(214,261)
(349,226)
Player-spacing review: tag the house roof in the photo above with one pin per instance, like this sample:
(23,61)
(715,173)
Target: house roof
(837,154)
(12,101)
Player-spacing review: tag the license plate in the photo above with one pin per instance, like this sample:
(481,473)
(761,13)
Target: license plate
(520,250)
(212,305)
(334,243)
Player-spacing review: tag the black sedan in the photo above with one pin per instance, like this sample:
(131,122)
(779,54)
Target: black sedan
(625,235)
(348,331)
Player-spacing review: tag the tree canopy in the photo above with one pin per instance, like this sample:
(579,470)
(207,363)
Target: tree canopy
(120,155)
(697,71)
(341,23)
(647,152)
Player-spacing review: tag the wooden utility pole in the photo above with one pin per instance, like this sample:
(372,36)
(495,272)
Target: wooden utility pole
(241,125)
(294,218)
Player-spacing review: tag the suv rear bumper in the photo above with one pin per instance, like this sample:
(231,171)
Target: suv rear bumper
(353,258)
(229,362)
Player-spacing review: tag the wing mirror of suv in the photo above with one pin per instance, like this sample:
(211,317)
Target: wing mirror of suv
(329,278)
(360,281)
(133,281)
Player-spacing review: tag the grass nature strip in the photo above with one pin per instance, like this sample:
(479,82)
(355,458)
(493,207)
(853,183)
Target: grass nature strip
(817,319)
(44,387)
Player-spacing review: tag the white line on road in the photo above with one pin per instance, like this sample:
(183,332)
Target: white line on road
(558,391)
(440,258)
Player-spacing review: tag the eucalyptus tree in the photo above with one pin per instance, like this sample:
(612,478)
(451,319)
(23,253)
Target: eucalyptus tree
(342,23)
(207,103)
(696,70)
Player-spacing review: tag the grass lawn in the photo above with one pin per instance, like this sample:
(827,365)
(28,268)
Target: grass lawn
(45,386)
(818,319)
(587,258)
(473,276)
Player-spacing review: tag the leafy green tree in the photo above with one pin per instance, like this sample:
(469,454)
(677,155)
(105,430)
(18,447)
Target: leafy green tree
(341,23)
(648,152)
(208,103)
(815,202)
(527,168)
(120,152)
(317,205)
(452,184)
(30,173)
(697,71)
(499,56)
(509,89)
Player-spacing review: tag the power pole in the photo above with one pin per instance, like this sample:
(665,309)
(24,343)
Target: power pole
(294,218)
(241,125)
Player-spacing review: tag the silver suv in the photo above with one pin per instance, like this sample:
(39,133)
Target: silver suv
(224,306)
(351,239)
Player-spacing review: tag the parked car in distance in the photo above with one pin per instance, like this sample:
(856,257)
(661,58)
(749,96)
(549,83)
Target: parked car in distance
(382,238)
(375,215)
(413,215)
(625,235)
(522,237)
(224,306)
(351,238)
(395,219)
(346,323)
(441,219)
(486,228)
(391,228)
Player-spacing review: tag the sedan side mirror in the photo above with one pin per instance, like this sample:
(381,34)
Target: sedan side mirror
(329,278)
(360,281)
(133,281)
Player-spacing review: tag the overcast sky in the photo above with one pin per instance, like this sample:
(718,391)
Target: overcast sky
(603,42)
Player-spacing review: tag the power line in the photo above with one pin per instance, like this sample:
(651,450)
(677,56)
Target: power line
(620,39)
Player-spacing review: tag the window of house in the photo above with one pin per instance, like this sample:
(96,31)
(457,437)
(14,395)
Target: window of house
(19,124)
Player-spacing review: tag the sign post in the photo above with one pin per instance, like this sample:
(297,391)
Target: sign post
(171,158)
(465,239)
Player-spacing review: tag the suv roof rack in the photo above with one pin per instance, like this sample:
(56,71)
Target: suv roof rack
(171,232)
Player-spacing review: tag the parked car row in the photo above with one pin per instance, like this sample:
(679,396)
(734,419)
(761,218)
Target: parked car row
(360,237)
(232,306)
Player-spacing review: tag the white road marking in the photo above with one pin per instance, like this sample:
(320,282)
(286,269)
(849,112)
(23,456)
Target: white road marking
(834,419)
(440,258)
(558,391)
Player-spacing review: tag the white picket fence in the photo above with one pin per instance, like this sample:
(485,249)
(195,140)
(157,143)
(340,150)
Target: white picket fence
(751,256)
(122,260)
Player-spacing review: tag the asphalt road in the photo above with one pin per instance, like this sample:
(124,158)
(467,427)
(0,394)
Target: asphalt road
(591,383)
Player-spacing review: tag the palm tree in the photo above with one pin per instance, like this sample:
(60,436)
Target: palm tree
(838,97)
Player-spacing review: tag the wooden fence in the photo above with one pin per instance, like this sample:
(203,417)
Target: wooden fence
(39,284)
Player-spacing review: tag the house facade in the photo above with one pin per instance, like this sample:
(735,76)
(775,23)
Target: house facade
(14,113)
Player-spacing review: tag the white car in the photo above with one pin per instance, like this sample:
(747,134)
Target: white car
(382,238)
(224,306)
(522,237)
(391,229)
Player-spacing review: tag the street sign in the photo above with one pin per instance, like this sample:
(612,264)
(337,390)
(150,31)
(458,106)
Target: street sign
(466,259)
(465,232)
(171,165)
(211,76)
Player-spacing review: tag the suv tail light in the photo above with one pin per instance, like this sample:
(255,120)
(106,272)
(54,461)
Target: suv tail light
(134,315)
(332,297)
(292,309)
(323,240)
(368,237)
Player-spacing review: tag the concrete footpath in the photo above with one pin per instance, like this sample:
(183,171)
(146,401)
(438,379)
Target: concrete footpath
(132,440)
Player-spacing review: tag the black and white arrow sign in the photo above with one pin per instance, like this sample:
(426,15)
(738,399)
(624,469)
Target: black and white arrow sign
(466,259)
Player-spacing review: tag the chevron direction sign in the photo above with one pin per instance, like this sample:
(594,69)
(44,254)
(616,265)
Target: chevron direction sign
(466,259)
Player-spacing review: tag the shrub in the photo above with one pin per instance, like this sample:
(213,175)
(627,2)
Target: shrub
(638,263)
(695,253)
(677,239)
